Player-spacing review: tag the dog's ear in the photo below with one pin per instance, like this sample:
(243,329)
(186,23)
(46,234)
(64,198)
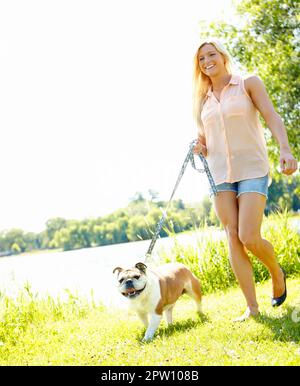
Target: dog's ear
(141,266)
(119,269)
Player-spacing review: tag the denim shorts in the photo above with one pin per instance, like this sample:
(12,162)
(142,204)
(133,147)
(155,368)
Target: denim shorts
(256,185)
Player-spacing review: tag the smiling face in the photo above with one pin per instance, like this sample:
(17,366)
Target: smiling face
(211,61)
(132,281)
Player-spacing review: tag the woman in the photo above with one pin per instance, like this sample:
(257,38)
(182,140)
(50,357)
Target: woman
(231,138)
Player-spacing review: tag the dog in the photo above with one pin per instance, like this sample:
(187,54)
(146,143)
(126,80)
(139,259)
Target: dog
(151,292)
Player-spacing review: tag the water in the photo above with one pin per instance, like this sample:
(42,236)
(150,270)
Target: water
(84,272)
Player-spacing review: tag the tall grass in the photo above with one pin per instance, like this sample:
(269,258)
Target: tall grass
(27,310)
(210,259)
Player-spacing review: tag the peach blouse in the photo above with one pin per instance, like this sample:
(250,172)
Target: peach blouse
(236,147)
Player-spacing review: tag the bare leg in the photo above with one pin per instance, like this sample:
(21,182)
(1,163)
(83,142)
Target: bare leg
(251,210)
(226,207)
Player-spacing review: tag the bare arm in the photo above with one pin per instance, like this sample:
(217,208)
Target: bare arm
(201,143)
(257,91)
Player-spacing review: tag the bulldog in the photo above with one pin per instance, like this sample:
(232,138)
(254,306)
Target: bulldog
(151,292)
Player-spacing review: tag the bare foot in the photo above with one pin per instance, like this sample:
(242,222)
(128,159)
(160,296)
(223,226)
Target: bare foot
(247,315)
(278,284)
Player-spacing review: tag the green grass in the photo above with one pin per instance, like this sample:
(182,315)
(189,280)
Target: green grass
(36,331)
(49,332)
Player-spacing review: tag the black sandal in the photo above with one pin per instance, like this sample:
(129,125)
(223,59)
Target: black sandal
(276,302)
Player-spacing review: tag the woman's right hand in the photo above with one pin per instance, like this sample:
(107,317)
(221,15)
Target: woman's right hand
(200,148)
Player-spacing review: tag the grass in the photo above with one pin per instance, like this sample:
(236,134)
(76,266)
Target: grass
(48,332)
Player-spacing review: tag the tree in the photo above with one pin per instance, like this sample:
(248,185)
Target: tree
(138,197)
(137,229)
(206,204)
(153,194)
(15,248)
(15,236)
(53,225)
(284,193)
(178,204)
(62,239)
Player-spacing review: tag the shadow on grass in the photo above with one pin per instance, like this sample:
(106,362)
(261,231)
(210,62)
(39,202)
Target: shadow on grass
(179,326)
(286,327)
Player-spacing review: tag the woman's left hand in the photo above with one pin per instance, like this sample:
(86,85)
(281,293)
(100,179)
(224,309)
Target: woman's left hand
(288,163)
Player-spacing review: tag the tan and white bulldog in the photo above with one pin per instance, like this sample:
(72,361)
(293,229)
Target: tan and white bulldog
(154,291)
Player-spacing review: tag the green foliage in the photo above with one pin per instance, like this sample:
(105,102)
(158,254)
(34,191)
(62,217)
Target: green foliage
(53,225)
(285,239)
(136,222)
(15,248)
(17,241)
(284,193)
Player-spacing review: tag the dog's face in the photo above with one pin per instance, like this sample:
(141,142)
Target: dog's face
(132,281)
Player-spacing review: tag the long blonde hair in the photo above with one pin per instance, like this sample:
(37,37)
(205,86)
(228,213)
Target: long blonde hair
(202,82)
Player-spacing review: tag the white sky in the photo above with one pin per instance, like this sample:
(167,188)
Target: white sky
(95,104)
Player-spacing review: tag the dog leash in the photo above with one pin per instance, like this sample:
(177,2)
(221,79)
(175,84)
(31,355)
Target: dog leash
(189,158)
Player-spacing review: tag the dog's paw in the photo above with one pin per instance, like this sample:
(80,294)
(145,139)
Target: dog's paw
(147,338)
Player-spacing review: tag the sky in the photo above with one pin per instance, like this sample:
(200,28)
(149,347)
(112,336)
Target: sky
(96,104)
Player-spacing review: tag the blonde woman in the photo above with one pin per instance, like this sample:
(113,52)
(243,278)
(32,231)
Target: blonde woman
(226,108)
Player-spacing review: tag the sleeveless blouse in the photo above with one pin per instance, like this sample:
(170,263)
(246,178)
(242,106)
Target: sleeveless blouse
(236,146)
